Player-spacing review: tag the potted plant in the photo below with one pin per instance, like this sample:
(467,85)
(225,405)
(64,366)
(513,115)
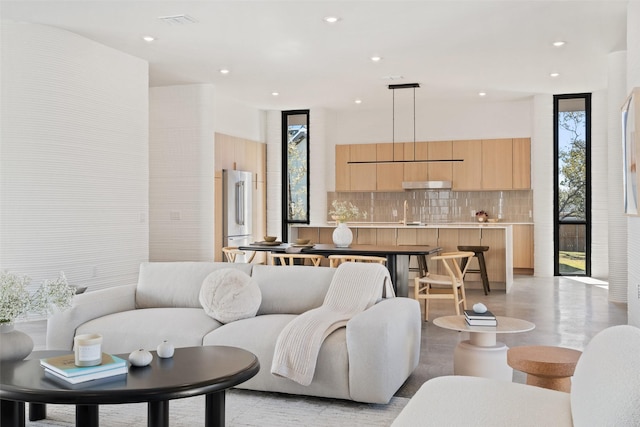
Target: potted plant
(482,216)
(16,302)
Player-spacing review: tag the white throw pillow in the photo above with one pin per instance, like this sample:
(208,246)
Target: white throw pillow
(228,295)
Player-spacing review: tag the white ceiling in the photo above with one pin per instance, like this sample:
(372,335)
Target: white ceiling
(454,49)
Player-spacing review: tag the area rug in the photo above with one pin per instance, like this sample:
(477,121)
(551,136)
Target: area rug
(243,409)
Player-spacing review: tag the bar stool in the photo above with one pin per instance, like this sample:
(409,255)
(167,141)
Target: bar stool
(478,252)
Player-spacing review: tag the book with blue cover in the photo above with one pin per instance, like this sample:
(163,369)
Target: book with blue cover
(65,366)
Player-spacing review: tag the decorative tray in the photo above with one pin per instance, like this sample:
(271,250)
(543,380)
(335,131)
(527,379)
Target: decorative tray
(276,243)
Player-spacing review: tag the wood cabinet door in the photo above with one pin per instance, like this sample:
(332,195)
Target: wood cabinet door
(343,177)
(440,171)
(389,176)
(362,152)
(497,164)
(523,246)
(521,163)
(495,257)
(362,177)
(415,172)
(467,175)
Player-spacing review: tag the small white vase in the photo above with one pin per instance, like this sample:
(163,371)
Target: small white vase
(14,345)
(165,350)
(342,236)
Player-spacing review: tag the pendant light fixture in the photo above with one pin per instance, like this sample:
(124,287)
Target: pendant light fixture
(393,88)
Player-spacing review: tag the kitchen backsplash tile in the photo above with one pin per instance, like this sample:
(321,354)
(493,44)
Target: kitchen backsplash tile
(440,206)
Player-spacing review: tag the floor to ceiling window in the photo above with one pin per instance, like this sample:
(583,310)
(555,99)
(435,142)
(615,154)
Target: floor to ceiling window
(295,169)
(572,183)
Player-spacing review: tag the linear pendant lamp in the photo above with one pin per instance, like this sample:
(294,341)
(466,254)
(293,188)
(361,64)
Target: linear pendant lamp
(393,88)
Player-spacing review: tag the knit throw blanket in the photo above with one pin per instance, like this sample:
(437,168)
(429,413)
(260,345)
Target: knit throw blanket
(354,288)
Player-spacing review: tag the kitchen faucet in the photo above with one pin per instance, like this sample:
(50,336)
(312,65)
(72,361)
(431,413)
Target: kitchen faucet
(404,216)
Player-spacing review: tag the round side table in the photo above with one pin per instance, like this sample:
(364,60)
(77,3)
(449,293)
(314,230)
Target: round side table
(545,366)
(482,355)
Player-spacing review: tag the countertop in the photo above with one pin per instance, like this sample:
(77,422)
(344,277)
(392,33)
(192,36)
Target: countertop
(432,225)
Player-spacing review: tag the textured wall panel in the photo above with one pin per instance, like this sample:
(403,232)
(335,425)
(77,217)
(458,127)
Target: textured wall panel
(181,173)
(633,80)
(74,158)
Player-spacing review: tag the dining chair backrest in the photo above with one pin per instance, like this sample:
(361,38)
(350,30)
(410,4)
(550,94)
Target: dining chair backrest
(336,260)
(232,253)
(291,259)
(444,286)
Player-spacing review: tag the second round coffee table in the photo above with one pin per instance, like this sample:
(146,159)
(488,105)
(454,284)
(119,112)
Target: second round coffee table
(545,366)
(482,355)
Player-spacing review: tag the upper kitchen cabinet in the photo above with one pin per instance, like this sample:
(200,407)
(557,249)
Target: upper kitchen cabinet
(343,178)
(416,171)
(497,164)
(389,176)
(440,150)
(467,175)
(362,177)
(521,163)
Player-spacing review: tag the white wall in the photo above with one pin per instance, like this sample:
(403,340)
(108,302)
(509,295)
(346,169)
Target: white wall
(435,121)
(74,158)
(633,80)
(233,118)
(181,173)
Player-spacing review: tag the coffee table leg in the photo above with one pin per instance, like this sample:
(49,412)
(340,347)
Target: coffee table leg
(11,413)
(87,416)
(37,411)
(214,410)
(158,414)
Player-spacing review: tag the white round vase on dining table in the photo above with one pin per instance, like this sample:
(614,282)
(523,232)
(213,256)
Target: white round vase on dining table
(342,236)
(482,355)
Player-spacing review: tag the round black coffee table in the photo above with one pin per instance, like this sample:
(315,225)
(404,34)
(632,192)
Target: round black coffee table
(192,371)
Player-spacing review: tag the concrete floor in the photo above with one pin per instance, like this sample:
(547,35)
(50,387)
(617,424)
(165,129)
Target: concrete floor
(566,312)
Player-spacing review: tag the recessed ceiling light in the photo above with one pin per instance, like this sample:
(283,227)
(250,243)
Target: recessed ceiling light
(554,74)
(148,39)
(482,93)
(559,43)
(358,101)
(224,71)
(331,19)
(275,93)
(376,58)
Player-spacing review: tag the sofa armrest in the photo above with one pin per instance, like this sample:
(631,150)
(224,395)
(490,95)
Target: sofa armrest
(61,326)
(383,343)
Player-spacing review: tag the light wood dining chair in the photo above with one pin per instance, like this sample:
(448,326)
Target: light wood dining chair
(232,253)
(444,286)
(336,260)
(290,259)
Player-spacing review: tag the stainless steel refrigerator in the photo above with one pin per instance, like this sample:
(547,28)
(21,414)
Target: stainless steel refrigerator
(237,212)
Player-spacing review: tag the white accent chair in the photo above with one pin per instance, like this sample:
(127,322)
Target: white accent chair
(605,392)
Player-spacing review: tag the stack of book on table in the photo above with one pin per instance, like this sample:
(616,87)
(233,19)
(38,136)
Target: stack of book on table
(480,319)
(64,368)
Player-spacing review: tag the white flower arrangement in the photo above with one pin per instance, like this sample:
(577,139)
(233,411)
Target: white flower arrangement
(344,211)
(16,301)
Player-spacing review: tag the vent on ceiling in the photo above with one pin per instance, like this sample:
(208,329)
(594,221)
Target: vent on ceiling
(177,19)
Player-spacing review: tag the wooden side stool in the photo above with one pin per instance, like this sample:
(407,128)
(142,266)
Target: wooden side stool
(545,366)
(478,252)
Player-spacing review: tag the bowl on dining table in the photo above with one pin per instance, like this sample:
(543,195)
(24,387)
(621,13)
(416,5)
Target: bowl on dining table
(270,238)
(302,241)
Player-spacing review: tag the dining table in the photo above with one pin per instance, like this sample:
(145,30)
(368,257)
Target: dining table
(397,256)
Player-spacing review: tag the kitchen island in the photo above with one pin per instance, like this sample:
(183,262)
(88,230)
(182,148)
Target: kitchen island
(498,236)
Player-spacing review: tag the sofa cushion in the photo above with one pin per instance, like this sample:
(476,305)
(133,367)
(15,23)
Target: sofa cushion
(259,334)
(176,284)
(473,401)
(131,330)
(229,294)
(291,289)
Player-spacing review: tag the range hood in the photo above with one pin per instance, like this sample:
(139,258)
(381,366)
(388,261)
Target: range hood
(426,185)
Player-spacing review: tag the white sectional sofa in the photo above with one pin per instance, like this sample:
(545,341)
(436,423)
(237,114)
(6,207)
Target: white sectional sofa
(366,361)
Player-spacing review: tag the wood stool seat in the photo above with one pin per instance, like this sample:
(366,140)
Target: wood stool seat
(482,267)
(545,366)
